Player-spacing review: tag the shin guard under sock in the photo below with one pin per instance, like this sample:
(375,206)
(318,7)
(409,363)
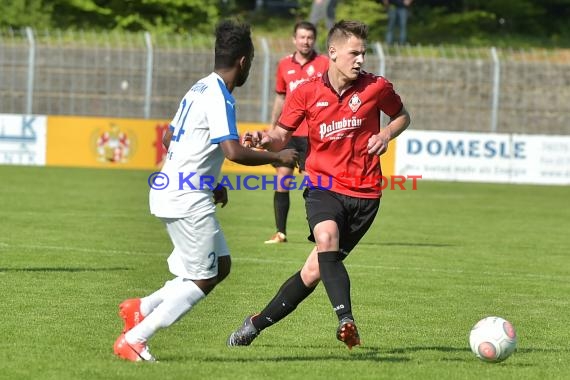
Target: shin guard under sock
(290,295)
(336,281)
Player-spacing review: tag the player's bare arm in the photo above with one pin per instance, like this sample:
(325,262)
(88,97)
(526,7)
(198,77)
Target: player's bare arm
(276,139)
(237,153)
(378,144)
(167,137)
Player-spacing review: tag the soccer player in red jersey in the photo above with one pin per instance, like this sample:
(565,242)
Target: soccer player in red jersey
(293,70)
(342,110)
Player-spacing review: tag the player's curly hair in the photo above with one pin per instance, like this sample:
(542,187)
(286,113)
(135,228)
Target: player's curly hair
(233,41)
(345,29)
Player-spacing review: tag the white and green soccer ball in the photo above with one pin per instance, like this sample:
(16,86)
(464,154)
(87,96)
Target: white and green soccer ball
(493,339)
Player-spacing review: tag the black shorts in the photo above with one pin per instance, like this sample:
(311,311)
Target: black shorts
(299,143)
(353,216)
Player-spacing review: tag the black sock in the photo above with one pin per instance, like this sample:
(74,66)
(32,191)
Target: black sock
(281,205)
(337,283)
(290,295)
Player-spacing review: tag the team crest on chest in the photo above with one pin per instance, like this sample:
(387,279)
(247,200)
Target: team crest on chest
(354,103)
(310,70)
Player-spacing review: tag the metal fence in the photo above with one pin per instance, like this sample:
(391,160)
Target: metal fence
(144,76)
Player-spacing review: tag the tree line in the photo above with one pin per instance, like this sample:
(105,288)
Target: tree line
(431,20)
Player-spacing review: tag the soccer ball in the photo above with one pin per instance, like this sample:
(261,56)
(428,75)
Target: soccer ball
(493,339)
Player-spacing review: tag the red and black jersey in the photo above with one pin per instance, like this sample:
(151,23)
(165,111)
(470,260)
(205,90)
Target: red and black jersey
(339,128)
(290,74)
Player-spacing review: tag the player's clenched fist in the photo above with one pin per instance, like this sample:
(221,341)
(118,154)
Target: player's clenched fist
(254,140)
(378,144)
(247,140)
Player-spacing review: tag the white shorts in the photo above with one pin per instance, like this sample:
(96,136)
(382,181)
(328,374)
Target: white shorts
(198,242)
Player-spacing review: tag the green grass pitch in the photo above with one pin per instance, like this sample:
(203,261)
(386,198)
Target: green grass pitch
(75,242)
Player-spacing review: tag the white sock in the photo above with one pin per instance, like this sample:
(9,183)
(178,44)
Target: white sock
(177,301)
(151,302)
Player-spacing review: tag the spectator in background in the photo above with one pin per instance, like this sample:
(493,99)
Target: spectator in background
(323,10)
(397,12)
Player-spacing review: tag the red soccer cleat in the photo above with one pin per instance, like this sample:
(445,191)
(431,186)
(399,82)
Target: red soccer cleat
(130,311)
(348,333)
(133,352)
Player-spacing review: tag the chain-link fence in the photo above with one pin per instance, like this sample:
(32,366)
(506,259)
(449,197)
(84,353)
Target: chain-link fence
(144,76)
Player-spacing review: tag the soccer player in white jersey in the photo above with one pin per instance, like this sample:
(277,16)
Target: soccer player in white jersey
(202,134)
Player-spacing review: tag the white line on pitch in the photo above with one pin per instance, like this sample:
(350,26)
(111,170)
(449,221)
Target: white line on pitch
(281,261)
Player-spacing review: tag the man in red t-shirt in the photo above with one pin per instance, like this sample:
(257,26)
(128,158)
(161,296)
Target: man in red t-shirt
(293,70)
(342,110)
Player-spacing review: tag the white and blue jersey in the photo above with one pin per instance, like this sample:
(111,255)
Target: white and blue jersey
(206,117)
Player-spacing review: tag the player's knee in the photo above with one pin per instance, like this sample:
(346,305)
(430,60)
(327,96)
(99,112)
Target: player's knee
(326,241)
(222,276)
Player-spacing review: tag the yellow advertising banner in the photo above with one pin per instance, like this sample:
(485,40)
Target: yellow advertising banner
(105,142)
(388,160)
(117,143)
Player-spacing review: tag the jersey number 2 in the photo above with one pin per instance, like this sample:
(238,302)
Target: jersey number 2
(212,256)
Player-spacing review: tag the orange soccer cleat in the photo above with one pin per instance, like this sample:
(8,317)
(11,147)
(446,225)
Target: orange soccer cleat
(279,237)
